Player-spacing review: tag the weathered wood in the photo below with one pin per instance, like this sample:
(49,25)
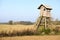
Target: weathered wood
(45,23)
(44,17)
(45,11)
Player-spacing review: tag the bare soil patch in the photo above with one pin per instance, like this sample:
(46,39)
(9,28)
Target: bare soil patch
(50,37)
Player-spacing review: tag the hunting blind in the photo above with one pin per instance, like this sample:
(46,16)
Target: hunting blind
(45,16)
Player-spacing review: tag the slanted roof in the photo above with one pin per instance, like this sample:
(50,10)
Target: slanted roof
(46,6)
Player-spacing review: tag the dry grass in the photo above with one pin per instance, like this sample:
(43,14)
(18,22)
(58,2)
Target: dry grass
(55,37)
(11,28)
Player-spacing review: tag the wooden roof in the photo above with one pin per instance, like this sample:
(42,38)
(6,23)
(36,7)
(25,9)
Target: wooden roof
(46,6)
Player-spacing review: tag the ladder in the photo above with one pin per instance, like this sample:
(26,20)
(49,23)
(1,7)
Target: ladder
(38,22)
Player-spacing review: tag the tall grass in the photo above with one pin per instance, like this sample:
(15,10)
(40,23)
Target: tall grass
(22,30)
(18,33)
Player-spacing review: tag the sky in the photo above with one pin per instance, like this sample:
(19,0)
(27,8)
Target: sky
(26,10)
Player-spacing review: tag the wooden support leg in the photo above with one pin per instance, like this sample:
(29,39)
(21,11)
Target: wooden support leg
(45,24)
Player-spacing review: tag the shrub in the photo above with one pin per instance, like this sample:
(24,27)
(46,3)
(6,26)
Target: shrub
(56,31)
(47,31)
(42,30)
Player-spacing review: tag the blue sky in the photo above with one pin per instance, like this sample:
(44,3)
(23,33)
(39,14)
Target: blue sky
(26,10)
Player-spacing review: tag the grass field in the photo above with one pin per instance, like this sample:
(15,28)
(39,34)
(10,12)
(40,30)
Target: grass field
(16,30)
(10,28)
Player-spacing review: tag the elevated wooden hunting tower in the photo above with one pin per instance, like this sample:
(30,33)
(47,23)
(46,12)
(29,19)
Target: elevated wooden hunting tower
(45,16)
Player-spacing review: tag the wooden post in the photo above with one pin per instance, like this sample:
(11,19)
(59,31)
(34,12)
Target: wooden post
(45,23)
